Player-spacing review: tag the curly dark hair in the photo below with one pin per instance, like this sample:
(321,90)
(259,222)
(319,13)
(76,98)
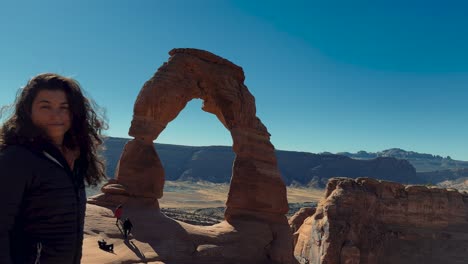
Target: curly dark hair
(85,130)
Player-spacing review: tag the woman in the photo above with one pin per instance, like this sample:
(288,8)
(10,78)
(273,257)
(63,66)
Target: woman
(48,148)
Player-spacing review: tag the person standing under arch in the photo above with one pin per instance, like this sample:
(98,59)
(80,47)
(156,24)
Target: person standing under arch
(127,227)
(118,213)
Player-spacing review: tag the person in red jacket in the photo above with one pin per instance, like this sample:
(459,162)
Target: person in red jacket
(118,213)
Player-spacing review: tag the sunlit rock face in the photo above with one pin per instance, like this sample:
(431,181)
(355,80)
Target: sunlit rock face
(257,191)
(371,221)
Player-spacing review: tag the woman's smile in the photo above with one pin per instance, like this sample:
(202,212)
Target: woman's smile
(50,112)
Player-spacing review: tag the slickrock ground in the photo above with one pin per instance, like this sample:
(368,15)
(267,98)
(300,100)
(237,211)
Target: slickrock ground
(369,221)
(156,238)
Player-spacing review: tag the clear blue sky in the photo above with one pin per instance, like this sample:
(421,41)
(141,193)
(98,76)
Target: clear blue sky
(327,75)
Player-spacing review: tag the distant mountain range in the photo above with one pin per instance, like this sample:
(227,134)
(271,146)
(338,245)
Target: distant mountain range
(214,164)
(421,161)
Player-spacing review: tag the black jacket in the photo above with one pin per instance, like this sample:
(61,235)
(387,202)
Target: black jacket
(43,207)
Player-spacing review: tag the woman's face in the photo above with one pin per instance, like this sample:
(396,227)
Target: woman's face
(50,112)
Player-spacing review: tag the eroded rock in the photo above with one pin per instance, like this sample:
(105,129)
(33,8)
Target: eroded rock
(371,221)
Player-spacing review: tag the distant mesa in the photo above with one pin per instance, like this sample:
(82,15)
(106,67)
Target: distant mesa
(214,164)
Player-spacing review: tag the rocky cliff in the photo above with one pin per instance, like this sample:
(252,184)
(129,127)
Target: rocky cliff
(371,221)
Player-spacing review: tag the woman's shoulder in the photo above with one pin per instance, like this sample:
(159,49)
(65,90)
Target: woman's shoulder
(17,160)
(14,149)
(16,153)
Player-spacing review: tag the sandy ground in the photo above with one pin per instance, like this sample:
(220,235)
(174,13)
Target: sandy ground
(206,194)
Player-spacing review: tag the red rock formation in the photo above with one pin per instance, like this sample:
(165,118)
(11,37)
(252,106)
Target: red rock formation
(296,221)
(298,218)
(371,221)
(257,191)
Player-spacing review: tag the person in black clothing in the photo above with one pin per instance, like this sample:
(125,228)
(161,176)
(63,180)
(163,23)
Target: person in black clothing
(127,227)
(48,150)
(104,246)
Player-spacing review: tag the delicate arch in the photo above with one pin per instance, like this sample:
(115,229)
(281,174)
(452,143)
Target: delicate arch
(256,188)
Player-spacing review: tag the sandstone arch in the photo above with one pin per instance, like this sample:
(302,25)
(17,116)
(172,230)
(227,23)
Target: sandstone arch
(256,188)
(255,222)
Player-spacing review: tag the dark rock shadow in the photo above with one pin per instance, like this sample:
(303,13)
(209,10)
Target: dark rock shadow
(165,236)
(135,249)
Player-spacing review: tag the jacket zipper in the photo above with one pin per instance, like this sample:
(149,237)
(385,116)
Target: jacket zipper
(38,253)
(77,195)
